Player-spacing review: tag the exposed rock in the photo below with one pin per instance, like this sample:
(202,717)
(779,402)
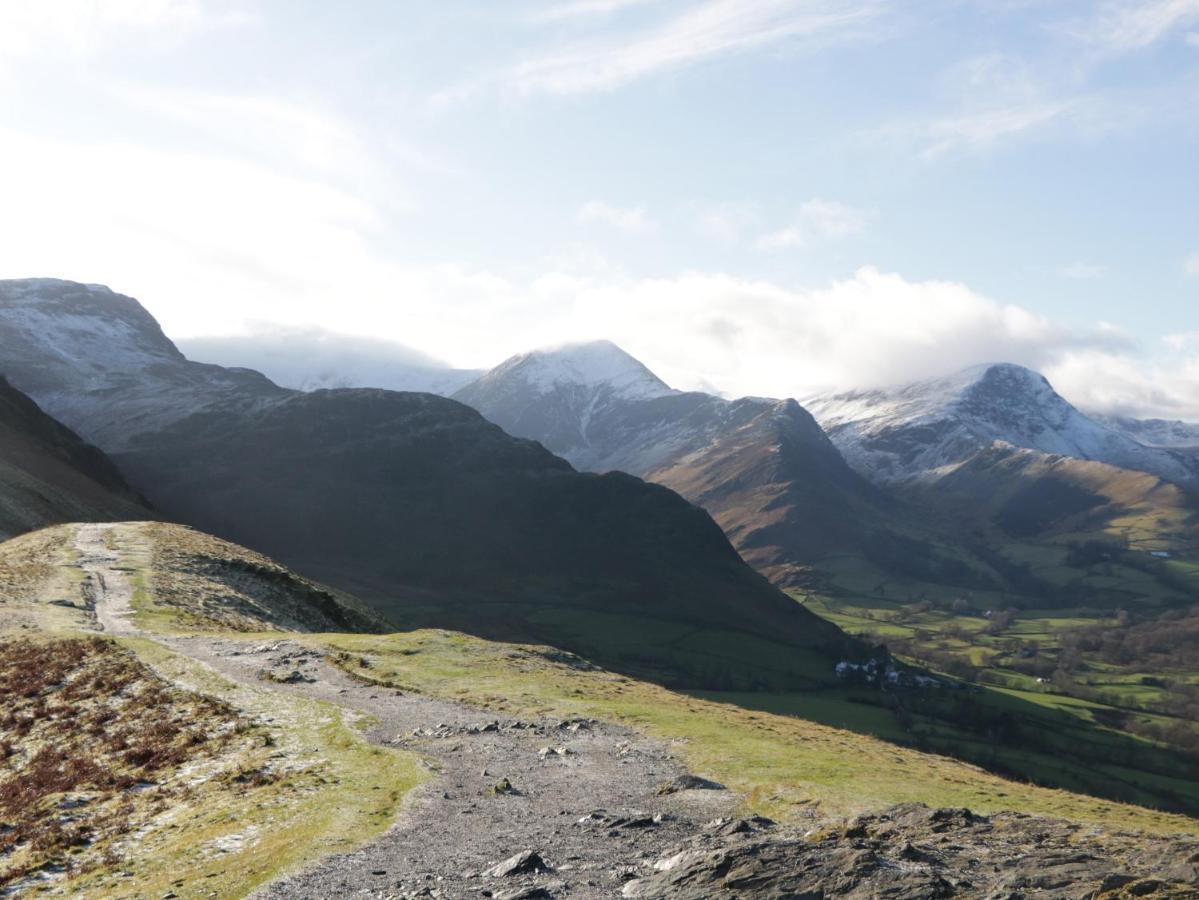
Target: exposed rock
(525,893)
(527,862)
(913,853)
(689,783)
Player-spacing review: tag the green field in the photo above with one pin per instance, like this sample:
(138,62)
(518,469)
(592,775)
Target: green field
(1099,646)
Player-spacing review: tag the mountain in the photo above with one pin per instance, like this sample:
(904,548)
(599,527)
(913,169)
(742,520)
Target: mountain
(413,502)
(921,431)
(763,468)
(1183,436)
(97,361)
(49,475)
(310,359)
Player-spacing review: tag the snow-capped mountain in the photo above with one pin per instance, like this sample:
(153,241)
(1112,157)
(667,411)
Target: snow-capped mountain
(413,500)
(312,359)
(97,361)
(572,399)
(1156,432)
(763,468)
(922,431)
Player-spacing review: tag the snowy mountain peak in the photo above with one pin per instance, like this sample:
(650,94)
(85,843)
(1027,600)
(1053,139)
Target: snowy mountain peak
(921,430)
(83,350)
(81,324)
(592,365)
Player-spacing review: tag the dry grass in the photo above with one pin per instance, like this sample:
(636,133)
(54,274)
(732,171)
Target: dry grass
(199,582)
(91,747)
(39,586)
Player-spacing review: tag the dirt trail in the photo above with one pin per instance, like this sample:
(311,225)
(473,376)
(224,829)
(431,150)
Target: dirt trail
(584,795)
(107,587)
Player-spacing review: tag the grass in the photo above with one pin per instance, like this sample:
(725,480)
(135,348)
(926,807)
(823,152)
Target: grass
(308,784)
(787,767)
(312,786)
(91,744)
(270,783)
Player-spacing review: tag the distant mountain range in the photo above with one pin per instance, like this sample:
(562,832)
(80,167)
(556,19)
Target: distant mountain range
(1182,436)
(923,430)
(763,468)
(993,446)
(412,501)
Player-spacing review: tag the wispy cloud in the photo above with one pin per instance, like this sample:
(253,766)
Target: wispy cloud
(1082,271)
(1190,265)
(818,219)
(634,220)
(88,26)
(585,9)
(708,30)
(726,223)
(1124,26)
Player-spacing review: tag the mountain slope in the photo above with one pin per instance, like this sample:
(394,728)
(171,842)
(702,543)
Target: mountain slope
(49,475)
(98,362)
(916,431)
(439,518)
(1183,436)
(415,503)
(763,468)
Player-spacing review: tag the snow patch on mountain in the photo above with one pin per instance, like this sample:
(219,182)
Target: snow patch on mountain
(921,430)
(593,365)
(99,362)
(1156,432)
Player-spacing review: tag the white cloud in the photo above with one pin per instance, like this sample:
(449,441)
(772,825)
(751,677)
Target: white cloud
(208,243)
(1128,384)
(818,219)
(1082,271)
(979,130)
(706,30)
(1186,341)
(726,223)
(1123,26)
(634,220)
(582,9)
(34,27)
(1190,265)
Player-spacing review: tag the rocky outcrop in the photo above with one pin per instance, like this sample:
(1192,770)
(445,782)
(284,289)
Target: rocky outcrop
(912,852)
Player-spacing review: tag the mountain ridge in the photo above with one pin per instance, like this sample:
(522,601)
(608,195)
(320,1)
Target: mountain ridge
(919,430)
(763,468)
(417,503)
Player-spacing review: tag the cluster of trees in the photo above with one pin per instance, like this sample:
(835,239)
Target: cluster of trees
(1165,643)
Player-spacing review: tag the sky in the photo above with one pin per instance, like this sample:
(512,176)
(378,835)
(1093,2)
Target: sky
(770,197)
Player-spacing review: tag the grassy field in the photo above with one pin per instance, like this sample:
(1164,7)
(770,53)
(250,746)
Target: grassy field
(787,767)
(1045,653)
(301,782)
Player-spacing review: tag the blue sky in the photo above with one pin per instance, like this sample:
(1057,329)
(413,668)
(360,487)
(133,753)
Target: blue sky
(762,196)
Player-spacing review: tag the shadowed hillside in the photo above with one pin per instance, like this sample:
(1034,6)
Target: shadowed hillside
(49,475)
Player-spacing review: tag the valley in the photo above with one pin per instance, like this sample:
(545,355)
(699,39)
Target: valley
(539,681)
(453,740)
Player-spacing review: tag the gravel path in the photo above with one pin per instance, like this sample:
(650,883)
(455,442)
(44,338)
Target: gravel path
(106,587)
(579,798)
